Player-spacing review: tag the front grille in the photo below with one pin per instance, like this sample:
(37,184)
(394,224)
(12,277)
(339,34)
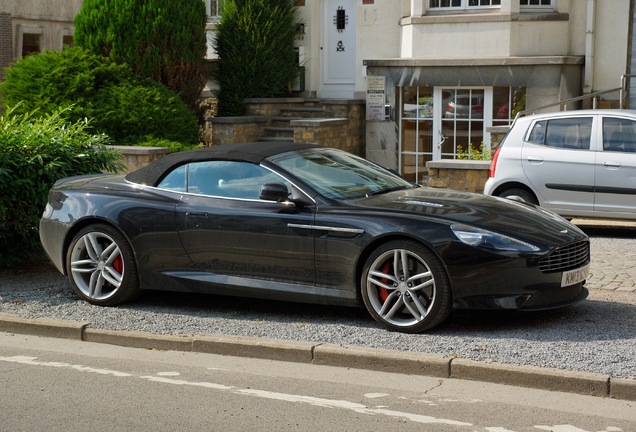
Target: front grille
(566,258)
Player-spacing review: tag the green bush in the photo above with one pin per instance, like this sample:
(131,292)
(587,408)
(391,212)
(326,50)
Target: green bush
(119,103)
(159,39)
(255,44)
(150,141)
(35,151)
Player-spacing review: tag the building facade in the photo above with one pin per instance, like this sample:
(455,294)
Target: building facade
(436,74)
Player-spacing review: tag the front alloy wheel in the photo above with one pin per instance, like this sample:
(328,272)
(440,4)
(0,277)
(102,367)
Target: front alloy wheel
(405,287)
(100,266)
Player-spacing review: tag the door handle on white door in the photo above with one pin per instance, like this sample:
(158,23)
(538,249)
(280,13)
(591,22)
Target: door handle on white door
(611,164)
(443,137)
(535,159)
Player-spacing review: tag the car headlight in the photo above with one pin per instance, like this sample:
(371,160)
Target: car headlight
(490,240)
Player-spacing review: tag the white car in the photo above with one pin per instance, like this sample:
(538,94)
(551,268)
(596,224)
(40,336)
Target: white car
(575,163)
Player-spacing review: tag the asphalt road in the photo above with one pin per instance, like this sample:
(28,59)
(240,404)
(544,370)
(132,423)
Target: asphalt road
(52,386)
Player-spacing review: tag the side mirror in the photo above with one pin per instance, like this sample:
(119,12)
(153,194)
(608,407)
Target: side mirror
(274,192)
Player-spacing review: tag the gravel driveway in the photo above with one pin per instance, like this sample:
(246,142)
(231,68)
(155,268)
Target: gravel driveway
(598,335)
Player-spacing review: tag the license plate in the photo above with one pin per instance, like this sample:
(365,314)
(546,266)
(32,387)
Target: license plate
(575,276)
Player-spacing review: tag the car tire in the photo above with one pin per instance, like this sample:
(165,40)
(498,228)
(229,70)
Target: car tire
(101,267)
(519,195)
(410,301)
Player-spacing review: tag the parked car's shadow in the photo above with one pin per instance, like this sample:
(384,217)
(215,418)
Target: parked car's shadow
(47,290)
(609,231)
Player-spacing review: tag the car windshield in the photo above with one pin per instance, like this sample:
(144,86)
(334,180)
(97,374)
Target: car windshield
(339,175)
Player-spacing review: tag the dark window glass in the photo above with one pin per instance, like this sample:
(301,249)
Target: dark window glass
(619,135)
(570,133)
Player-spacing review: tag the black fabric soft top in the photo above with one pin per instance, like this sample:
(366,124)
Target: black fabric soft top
(253,152)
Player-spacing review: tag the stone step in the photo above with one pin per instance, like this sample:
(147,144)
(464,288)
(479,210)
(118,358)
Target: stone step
(276,139)
(283,121)
(303,112)
(276,131)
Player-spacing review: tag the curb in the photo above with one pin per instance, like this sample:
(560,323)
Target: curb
(381,360)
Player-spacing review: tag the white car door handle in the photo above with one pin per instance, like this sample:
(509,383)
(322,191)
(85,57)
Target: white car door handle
(611,164)
(535,159)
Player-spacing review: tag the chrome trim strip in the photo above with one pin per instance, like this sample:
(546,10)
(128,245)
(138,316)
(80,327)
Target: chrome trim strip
(326,228)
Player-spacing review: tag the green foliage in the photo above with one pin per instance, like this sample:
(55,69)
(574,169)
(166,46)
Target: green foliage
(473,153)
(255,44)
(35,151)
(150,141)
(159,39)
(120,104)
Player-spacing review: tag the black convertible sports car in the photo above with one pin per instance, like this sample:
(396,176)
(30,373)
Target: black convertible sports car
(312,224)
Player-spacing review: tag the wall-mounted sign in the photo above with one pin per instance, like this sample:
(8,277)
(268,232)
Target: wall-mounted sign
(376,89)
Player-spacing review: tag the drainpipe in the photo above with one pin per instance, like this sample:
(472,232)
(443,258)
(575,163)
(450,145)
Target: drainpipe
(588,84)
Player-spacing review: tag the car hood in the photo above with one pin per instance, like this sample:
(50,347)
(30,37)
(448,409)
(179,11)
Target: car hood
(500,215)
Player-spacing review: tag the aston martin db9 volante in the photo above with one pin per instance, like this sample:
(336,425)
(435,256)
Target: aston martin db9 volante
(308,223)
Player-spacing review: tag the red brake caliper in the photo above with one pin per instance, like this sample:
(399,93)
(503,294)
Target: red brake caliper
(384,293)
(118,264)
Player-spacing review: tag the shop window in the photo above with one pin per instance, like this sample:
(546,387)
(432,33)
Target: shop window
(30,44)
(507,103)
(416,132)
(451,122)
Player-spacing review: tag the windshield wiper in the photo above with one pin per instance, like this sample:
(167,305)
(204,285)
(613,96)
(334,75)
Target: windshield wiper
(383,191)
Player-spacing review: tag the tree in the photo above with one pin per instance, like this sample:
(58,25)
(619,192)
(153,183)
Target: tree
(159,39)
(255,44)
(128,108)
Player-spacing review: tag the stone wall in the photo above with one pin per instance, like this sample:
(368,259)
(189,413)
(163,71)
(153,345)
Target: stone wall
(354,138)
(461,175)
(327,132)
(232,130)
(135,157)
(272,107)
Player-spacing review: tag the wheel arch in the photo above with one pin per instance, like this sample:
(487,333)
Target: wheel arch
(83,223)
(514,185)
(368,250)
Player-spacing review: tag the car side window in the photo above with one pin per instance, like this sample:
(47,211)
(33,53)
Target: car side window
(229,179)
(175,180)
(619,135)
(569,133)
(537,134)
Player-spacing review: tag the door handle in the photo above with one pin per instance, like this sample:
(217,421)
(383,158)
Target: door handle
(536,160)
(611,164)
(444,138)
(197,214)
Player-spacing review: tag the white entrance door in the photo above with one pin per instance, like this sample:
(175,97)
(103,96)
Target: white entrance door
(338,49)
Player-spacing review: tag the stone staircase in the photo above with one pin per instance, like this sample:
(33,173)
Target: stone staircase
(279,127)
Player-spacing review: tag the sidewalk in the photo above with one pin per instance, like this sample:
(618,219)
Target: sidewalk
(611,270)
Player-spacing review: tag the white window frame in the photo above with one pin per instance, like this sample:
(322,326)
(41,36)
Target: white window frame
(538,8)
(465,5)
(63,33)
(28,29)
(213,10)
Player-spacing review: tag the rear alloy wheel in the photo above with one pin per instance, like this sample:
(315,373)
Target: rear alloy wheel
(519,195)
(405,287)
(100,266)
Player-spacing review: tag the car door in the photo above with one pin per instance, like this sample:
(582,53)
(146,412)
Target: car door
(227,230)
(558,161)
(616,166)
